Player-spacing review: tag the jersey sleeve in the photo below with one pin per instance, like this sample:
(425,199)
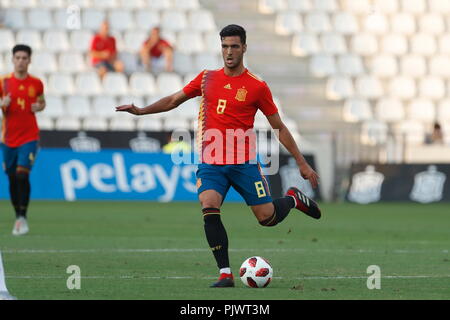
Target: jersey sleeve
(265,102)
(194,88)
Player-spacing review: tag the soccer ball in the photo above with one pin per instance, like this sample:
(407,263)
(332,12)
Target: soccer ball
(256,272)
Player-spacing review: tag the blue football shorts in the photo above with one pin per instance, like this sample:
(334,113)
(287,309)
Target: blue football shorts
(247,179)
(23,156)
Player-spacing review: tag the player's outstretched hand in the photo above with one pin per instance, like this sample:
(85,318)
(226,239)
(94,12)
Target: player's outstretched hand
(130,108)
(309,174)
(6,100)
(35,107)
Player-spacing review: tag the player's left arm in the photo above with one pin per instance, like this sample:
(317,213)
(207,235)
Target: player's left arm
(39,105)
(286,138)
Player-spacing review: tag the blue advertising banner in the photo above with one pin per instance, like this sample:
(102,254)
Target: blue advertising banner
(61,174)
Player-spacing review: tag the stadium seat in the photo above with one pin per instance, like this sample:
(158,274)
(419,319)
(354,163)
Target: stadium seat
(121,19)
(115,83)
(29,37)
(44,121)
(413,6)
(423,44)
(212,42)
(374,132)
(142,83)
(403,23)
(317,22)
(345,23)
(287,23)
(60,84)
(146,19)
(395,44)
(105,4)
(95,124)
(173,20)
(182,63)
(364,44)
(60,18)
(68,123)
(368,86)
(92,18)
(413,65)
(357,6)
(440,66)
(187,110)
(43,62)
(81,3)
(15,19)
(88,83)
(339,87)
(122,121)
(40,19)
(201,20)
(186,4)
(22,4)
(444,43)
(133,40)
(333,43)
(322,65)
(6,40)
(389,109)
(432,88)
(432,23)
(78,106)
(149,124)
(130,61)
(159,4)
(168,83)
(376,23)
(271,6)
(439,6)
(350,65)
(387,6)
(51,4)
(206,60)
(402,87)
(384,66)
(104,106)
(325,5)
(54,106)
(411,131)
(131,4)
(443,110)
(189,42)
(302,6)
(305,44)
(56,40)
(128,99)
(2,66)
(356,110)
(80,40)
(421,110)
(175,123)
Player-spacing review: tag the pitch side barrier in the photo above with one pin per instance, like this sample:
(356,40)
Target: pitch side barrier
(422,183)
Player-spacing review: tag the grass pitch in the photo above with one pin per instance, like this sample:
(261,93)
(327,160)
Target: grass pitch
(147,250)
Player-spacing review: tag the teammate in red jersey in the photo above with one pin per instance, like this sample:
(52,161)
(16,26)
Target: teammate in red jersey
(22,95)
(231,96)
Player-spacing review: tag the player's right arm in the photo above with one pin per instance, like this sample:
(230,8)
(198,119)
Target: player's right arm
(163,105)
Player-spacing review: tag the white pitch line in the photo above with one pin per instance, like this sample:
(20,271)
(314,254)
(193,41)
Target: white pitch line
(180,250)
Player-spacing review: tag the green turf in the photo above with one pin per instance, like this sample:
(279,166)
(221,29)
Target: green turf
(115,245)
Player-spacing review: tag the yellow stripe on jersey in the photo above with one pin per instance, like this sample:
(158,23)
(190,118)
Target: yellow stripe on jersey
(253,76)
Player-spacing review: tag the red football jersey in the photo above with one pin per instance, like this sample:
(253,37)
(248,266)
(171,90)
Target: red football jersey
(99,44)
(228,107)
(19,122)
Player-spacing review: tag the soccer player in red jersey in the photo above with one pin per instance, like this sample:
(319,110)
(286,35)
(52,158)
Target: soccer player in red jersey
(22,95)
(231,96)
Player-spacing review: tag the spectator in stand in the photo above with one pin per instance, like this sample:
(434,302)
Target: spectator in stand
(103,52)
(157,53)
(436,137)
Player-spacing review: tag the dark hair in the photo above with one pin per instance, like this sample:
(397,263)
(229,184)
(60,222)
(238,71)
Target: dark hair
(234,30)
(22,47)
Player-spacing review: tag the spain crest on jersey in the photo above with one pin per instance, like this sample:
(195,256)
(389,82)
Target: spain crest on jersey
(31,92)
(241,94)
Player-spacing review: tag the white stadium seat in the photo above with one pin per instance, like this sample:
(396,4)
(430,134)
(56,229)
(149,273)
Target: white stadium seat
(121,19)
(287,23)
(168,83)
(384,66)
(201,20)
(413,65)
(368,86)
(80,40)
(305,44)
(123,121)
(131,4)
(81,3)
(130,61)
(402,87)
(440,66)
(173,20)
(364,44)
(210,61)
(130,99)
(357,109)
(212,42)
(22,4)
(54,106)
(333,43)
(29,37)
(71,62)
(444,44)
(56,40)
(60,84)
(44,121)
(345,23)
(443,110)
(271,6)
(43,62)
(403,23)
(133,40)
(421,110)
(387,6)
(146,19)
(142,84)
(432,23)
(325,5)
(186,4)
(95,124)
(423,44)
(92,18)
(439,6)
(413,6)
(432,88)
(389,109)
(104,106)
(115,83)
(322,65)
(357,6)
(339,87)
(52,4)
(376,24)
(190,42)
(78,106)
(395,44)
(299,5)
(104,4)
(14,18)
(40,19)
(60,18)
(68,123)
(317,22)
(159,4)
(6,40)
(374,132)
(149,124)
(350,64)
(88,83)
(412,131)
(188,109)
(175,123)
